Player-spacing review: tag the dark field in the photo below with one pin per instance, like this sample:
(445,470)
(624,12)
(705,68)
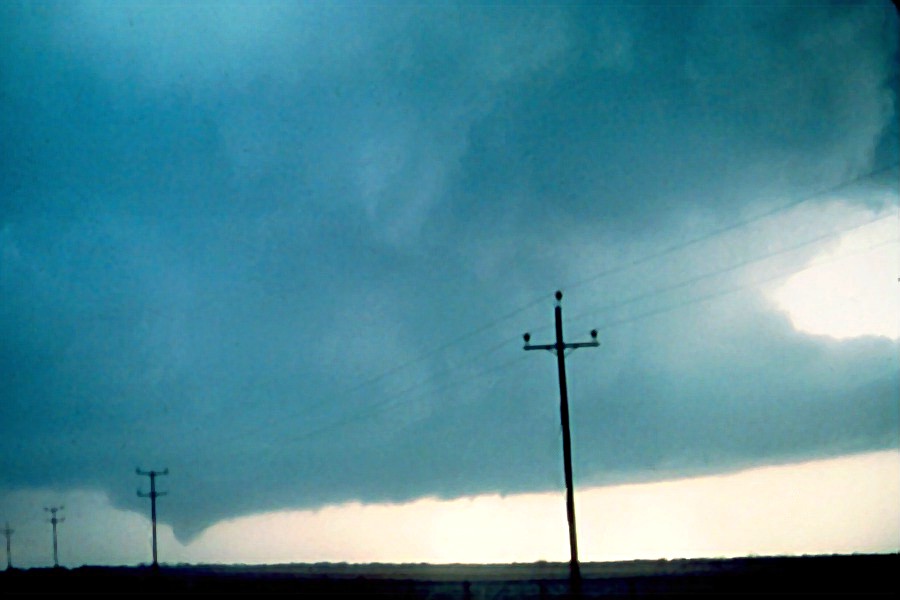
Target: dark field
(819,576)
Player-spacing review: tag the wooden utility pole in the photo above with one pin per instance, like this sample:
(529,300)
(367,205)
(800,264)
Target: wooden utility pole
(8,533)
(53,520)
(559,348)
(152,495)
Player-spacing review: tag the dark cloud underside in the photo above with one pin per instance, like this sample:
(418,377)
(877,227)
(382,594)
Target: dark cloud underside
(220,222)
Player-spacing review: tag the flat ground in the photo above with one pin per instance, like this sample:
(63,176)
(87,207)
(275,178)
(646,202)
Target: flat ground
(832,576)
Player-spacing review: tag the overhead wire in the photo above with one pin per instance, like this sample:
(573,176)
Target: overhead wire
(395,399)
(537,299)
(753,284)
(634,263)
(715,273)
(393,403)
(731,227)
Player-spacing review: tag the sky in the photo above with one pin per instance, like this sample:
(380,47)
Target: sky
(287,251)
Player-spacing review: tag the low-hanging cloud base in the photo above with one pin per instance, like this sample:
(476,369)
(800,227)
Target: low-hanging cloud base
(288,251)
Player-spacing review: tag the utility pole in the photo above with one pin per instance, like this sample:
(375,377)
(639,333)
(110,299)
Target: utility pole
(8,533)
(559,348)
(152,495)
(53,520)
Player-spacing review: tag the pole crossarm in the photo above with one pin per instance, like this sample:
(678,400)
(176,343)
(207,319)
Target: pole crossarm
(151,473)
(550,347)
(566,346)
(592,344)
(152,494)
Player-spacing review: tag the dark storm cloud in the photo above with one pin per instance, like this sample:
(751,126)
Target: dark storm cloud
(221,220)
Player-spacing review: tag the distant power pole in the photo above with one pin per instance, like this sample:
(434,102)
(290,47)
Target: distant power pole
(152,495)
(8,533)
(53,520)
(559,348)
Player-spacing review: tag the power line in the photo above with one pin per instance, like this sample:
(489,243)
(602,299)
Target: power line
(617,269)
(711,274)
(260,428)
(620,268)
(468,335)
(642,260)
(395,400)
(392,402)
(722,271)
(735,289)
(736,225)
(392,398)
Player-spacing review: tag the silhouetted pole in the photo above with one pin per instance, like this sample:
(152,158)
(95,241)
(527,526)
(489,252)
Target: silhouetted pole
(559,348)
(8,533)
(152,495)
(53,520)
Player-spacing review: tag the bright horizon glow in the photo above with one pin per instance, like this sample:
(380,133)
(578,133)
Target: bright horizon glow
(842,505)
(848,292)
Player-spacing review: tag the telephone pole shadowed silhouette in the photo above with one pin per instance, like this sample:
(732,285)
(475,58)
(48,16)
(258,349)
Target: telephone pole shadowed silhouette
(8,533)
(559,348)
(152,495)
(53,520)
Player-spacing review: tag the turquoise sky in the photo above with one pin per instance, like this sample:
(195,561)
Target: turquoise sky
(288,250)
